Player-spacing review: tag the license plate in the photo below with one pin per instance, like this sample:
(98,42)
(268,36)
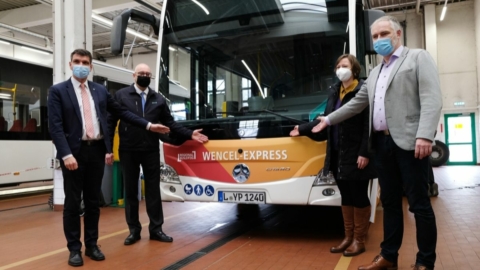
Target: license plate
(241,197)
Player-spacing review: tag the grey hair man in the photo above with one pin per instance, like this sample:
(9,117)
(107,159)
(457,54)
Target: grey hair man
(405,104)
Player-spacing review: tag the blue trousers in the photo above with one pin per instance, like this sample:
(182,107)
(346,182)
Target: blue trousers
(400,172)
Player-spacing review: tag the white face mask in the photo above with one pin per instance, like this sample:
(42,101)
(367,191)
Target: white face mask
(344,74)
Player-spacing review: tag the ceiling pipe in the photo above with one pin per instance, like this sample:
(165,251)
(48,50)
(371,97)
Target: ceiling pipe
(20,30)
(417,8)
(407,4)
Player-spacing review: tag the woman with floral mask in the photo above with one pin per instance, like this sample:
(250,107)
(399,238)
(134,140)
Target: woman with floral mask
(347,156)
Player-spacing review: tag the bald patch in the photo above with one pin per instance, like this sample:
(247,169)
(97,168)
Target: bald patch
(142,68)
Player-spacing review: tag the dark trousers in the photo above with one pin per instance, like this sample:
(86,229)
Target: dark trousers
(354,191)
(399,170)
(150,161)
(87,179)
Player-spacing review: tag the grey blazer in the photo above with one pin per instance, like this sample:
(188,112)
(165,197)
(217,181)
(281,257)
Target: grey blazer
(413,100)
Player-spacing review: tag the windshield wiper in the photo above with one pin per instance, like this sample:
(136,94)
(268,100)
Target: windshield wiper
(285,117)
(269,112)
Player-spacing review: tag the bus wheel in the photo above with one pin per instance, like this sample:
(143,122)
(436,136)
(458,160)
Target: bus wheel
(440,154)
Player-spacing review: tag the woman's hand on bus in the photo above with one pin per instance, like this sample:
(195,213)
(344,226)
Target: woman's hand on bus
(159,128)
(71,163)
(109,158)
(362,162)
(295,132)
(199,137)
(321,126)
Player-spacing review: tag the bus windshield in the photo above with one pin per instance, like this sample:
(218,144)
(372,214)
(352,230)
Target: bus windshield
(251,68)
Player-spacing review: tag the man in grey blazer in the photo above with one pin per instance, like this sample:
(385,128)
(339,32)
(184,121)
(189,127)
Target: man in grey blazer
(405,104)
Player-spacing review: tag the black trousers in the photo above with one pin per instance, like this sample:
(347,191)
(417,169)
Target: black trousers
(150,161)
(354,191)
(399,170)
(87,179)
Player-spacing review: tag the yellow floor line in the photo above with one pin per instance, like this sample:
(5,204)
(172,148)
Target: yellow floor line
(343,263)
(51,253)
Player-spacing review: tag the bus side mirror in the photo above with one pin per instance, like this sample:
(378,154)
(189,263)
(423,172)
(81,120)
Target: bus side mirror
(370,16)
(119,27)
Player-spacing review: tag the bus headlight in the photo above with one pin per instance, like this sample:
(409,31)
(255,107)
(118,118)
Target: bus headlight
(168,174)
(323,180)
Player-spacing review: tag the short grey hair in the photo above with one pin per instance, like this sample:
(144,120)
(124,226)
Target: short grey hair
(393,22)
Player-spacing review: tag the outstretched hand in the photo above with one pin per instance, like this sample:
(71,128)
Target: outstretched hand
(294,132)
(199,137)
(159,128)
(320,126)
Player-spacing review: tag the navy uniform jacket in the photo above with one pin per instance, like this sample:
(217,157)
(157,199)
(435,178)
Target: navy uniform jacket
(65,120)
(156,111)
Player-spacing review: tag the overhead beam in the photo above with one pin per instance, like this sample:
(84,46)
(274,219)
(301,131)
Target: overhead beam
(42,14)
(102,6)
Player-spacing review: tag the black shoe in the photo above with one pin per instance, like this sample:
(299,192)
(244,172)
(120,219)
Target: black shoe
(131,239)
(94,253)
(75,258)
(160,236)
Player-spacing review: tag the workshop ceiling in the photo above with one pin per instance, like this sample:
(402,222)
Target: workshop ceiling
(36,16)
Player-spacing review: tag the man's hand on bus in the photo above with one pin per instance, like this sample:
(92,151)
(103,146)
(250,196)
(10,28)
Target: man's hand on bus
(199,137)
(362,162)
(71,163)
(159,128)
(109,158)
(321,126)
(295,132)
(423,148)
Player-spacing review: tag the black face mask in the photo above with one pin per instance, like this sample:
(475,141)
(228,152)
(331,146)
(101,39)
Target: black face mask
(143,81)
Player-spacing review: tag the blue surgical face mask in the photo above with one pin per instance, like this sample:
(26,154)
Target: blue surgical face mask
(80,71)
(383,46)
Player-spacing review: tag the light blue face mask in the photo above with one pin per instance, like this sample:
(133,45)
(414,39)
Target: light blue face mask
(80,71)
(383,46)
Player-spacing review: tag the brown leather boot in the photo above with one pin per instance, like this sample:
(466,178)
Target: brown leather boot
(379,263)
(348,213)
(362,223)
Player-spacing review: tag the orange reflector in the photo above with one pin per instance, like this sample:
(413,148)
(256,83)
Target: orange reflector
(16,173)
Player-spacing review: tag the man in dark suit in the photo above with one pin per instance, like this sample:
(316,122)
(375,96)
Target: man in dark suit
(77,112)
(139,147)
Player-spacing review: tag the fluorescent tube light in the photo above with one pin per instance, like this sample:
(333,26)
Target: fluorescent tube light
(202,6)
(254,78)
(109,23)
(4,42)
(444,11)
(35,50)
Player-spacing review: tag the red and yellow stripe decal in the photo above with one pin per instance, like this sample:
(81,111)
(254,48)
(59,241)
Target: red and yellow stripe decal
(268,160)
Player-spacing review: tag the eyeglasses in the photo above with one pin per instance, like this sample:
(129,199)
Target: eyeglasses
(144,74)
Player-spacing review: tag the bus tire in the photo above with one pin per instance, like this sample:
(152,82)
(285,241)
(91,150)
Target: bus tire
(440,154)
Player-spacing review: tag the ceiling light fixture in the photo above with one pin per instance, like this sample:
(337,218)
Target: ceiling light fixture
(444,11)
(4,42)
(109,23)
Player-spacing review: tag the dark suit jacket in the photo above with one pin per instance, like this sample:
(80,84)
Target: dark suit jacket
(65,120)
(156,111)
